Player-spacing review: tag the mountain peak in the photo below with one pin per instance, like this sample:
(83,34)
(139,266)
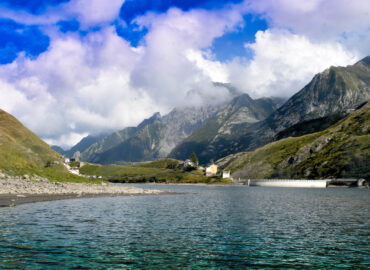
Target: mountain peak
(233,91)
(242,100)
(154,118)
(364,61)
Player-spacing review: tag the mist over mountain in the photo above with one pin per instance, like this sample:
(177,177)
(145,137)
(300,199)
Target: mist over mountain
(156,136)
(153,138)
(334,91)
(241,124)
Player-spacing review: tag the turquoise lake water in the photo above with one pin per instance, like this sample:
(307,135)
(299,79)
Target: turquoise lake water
(204,228)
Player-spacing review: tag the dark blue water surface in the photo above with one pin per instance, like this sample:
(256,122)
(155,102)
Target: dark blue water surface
(206,228)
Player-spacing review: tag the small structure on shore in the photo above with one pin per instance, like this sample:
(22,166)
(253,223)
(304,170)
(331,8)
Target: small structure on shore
(211,170)
(188,165)
(226,174)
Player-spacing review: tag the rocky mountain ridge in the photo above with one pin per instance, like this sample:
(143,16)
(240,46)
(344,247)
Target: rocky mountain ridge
(335,91)
(81,146)
(229,122)
(340,151)
(155,137)
(94,151)
(152,140)
(243,124)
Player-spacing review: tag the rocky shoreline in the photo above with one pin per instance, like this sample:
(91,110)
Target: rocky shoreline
(15,190)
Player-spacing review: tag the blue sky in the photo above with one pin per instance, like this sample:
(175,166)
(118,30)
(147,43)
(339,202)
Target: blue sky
(133,8)
(69,68)
(16,37)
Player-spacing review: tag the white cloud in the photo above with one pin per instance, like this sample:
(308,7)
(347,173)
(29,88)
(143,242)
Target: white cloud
(165,70)
(93,12)
(284,63)
(24,17)
(72,139)
(212,68)
(78,86)
(88,12)
(347,22)
(98,82)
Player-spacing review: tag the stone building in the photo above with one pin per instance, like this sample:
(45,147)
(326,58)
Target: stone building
(211,170)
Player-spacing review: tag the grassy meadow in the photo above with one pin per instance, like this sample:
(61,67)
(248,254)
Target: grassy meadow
(160,171)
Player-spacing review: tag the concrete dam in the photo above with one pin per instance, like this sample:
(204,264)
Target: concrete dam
(287,183)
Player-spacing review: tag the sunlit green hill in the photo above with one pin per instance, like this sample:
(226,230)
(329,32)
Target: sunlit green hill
(341,151)
(22,152)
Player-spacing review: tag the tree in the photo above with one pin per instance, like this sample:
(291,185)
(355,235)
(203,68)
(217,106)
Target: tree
(48,164)
(193,158)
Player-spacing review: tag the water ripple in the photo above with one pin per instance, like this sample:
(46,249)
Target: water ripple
(207,228)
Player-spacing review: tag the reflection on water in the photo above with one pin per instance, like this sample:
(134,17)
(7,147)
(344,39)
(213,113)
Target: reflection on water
(208,227)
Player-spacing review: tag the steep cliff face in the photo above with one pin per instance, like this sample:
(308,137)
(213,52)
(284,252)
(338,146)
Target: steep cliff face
(331,94)
(81,146)
(334,90)
(230,122)
(341,151)
(182,122)
(153,138)
(92,153)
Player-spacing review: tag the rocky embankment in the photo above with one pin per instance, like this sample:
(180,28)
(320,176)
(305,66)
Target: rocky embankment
(41,186)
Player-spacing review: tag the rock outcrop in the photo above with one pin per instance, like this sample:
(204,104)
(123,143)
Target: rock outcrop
(331,95)
(341,151)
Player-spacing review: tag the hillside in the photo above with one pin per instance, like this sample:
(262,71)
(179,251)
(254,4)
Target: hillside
(341,151)
(156,136)
(22,152)
(329,97)
(92,153)
(159,171)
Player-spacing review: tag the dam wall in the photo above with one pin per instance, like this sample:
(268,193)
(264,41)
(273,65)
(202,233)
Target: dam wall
(287,183)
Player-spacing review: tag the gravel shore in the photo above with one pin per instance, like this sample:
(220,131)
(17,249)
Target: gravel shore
(25,189)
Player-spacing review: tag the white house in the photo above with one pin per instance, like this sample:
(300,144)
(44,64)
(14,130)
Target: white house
(226,174)
(211,170)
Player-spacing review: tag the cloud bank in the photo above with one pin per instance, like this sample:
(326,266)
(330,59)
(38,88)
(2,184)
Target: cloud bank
(91,80)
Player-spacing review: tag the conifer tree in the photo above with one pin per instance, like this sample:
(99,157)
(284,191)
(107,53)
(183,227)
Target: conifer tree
(193,158)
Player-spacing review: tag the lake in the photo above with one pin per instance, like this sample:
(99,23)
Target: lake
(217,227)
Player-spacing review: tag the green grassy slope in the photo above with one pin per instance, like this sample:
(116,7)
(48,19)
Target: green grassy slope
(22,152)
(341,151)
